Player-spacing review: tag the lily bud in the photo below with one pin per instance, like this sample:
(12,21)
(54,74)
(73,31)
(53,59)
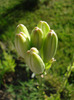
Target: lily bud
(33,49)
(44,27)
(35,62)
(21,44)
(22,28)
(37,38)
(50,46)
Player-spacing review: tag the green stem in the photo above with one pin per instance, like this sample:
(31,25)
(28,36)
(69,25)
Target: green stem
(39,79)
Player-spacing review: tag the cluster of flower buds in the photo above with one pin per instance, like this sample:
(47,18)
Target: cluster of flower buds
(37,48)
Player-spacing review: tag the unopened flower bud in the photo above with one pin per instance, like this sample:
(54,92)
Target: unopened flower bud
(44,27)
(50,46)
(21,44)
(37,38)
(33,49)
(22,28)
(34,62)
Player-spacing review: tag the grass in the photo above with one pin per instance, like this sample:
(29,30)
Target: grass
(57,13)
(9,4)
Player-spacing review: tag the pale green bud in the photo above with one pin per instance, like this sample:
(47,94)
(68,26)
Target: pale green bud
(33,49)
(44,27)
(34,61)
(50,46)
(37,38)
(22,28)
(21,44)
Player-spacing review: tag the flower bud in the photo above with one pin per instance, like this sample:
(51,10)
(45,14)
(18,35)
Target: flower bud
(44,27)
(50,46)
(21,44)
(37,38)
(22,28)
(34,62)
(33,49)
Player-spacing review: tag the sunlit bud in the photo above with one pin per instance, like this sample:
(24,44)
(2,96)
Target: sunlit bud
(35,62)
(50,46)
(44,27)
(33,49)
(22,28)
(21,44)
(37,38)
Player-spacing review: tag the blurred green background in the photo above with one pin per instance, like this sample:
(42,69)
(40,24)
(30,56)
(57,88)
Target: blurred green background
(59,15)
